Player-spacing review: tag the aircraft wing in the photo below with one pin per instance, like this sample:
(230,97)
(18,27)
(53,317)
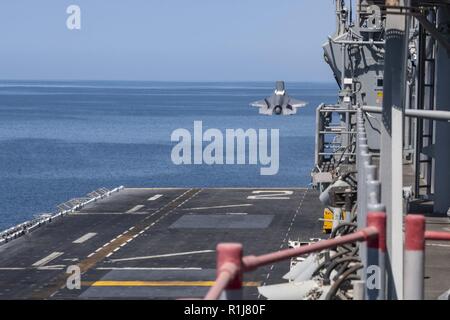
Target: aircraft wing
(263,105)
(297,103)
(260,104)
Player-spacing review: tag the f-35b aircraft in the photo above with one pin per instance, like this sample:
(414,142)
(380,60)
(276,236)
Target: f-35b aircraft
(279,102)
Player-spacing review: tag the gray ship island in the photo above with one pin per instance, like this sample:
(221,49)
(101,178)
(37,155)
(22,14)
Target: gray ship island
(373,225)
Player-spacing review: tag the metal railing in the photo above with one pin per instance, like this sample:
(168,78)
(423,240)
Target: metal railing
(231,265)
(65,208)
(415,238)
(369,187)
(438,115)
(325,148)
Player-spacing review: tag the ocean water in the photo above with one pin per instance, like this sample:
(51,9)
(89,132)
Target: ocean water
(60,140)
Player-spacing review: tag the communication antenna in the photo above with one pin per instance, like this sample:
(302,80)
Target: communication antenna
(351,12)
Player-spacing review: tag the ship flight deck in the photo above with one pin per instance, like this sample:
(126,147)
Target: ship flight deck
(157,243)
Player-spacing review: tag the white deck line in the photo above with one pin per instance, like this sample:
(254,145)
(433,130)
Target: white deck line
(47,259)
(164,255)
(85,238)
(136,208)
(144,268)
(220,207)
(155,197)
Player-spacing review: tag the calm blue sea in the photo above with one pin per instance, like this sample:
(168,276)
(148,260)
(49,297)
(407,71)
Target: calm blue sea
(60,140)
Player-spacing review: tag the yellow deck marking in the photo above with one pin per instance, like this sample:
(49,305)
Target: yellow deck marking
(159,284)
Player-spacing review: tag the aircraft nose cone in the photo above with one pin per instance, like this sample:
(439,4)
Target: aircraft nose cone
(278,110)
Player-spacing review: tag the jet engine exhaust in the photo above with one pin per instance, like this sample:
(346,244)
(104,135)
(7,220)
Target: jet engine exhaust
(278,110)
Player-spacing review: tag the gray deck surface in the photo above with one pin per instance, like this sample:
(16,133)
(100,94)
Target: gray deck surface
(160,244)
(139,245)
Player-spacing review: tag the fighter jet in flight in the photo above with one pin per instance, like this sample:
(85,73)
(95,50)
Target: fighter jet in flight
(278,103)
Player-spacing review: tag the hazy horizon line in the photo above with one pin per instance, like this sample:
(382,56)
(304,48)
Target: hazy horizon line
(185,81)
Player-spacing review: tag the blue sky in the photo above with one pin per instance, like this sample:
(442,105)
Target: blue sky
(166,40)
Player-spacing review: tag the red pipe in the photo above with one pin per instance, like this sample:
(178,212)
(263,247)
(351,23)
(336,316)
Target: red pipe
(229,270)
(414,232)
(222,282)
(252,262)
(377,220)
(437,235)
(231,265)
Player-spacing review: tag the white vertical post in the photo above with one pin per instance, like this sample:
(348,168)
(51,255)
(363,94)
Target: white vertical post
(391,161)
(414,257)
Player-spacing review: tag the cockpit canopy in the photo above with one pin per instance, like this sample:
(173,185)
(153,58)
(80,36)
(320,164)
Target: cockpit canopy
(279,88)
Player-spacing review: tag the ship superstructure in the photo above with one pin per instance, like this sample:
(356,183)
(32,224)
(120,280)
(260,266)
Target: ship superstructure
(384,146)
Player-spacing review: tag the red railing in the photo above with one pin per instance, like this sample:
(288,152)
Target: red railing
(437,235)
(414,264)
(231,265)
